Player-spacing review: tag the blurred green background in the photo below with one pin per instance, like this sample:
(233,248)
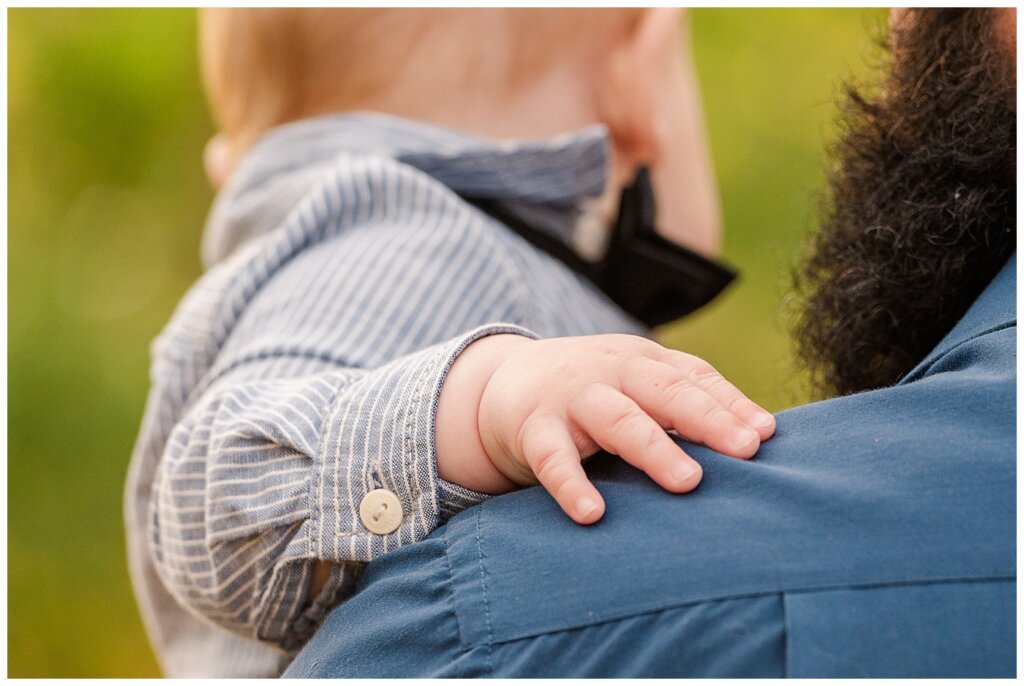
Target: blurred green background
(106,126)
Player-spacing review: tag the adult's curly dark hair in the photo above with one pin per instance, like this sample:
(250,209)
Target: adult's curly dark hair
(921,205)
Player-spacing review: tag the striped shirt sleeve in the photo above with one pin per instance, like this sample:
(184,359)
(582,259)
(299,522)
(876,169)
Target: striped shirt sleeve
(333,340)
(265,477)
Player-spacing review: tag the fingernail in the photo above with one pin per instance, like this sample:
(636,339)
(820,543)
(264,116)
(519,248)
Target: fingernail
(682,472)
(762,420)
(585,506)
(743,438)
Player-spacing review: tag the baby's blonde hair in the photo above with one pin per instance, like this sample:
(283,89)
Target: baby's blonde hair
(264,67)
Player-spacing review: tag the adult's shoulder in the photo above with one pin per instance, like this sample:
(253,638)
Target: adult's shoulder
(874,534)
(862,515)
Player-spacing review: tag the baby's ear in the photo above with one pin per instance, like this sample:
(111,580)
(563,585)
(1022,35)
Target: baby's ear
(217,160)
(629,98)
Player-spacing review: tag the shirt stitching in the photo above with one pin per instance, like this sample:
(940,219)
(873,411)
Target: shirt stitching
(748,596)
(483,590)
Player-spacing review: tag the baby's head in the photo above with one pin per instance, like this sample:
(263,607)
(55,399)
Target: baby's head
(498,73)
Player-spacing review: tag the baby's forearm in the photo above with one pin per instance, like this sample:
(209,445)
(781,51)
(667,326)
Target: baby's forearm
(461,458)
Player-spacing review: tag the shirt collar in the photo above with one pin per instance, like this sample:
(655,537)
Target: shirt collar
(996,307)
(546,179)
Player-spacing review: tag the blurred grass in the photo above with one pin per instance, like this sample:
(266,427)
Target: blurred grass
(106,126)
(770,80)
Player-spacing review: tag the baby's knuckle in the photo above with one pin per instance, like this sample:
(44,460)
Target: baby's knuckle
(566,370)
(713,382)
(553,470)
(623,421)
(696,367)
(610,353)
(543,462)
(740,403)
(623,343)
(679,391)
(643,346)
(633,366)
(591,395)
(651,437)
(712,415)
(704,375)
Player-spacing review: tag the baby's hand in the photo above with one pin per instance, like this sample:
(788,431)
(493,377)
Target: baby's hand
(546,405)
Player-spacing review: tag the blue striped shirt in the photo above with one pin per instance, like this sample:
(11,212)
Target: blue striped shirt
(345,273)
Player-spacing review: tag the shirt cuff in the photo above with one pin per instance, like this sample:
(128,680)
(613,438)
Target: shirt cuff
(453,498)
(379,435)
(340,584)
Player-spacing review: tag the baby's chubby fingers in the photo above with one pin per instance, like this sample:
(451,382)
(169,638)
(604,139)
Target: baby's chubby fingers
(675,399)
(708,378)
(617,424)
(549,450)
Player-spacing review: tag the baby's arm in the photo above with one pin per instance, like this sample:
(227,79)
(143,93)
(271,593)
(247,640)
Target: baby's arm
(515,411)
(267,474)
(326,389)
(323,391)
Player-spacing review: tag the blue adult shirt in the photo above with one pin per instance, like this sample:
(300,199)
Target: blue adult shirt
(874,535)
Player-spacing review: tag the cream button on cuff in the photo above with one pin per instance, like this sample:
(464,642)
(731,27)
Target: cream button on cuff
(381,511)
